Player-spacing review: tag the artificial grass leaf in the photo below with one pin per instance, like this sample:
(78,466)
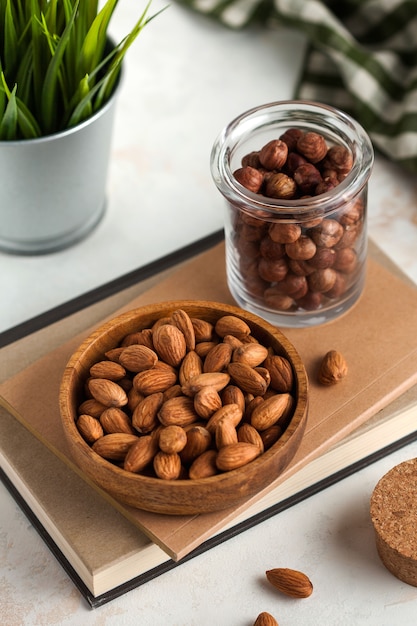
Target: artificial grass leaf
(8,124)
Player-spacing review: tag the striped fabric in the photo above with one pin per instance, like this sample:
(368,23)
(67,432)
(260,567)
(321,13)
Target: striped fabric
(362,58)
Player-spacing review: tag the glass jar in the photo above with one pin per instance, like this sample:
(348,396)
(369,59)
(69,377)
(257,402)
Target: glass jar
(295,228)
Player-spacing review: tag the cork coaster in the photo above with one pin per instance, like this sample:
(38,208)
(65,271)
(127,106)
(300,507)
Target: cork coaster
(394,517)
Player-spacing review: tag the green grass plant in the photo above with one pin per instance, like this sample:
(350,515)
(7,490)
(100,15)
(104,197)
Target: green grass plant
(56,67)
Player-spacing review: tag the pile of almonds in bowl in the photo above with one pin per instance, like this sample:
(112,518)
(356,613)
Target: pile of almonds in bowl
(310,260)
(184,407)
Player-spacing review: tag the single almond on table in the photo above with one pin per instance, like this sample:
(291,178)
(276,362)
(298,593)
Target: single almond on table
(291,582)
(333,368)
(265,619)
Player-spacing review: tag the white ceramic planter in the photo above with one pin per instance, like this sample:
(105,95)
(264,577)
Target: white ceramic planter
(53,189)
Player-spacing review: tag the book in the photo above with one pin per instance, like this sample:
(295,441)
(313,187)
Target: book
(367,417)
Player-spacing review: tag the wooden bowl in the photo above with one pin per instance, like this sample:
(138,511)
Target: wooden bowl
(181,496)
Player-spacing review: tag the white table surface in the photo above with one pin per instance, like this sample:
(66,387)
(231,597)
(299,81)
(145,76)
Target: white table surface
(185,78)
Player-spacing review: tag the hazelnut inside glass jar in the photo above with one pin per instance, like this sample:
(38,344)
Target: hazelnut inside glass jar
(294,175)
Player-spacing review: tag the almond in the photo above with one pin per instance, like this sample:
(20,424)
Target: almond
(172,439)
(203,330)
(114,420)
(247,378)
(333,368)
(154,381)
(183,322)
(169,343)
(145,414)
(218,358)
(291,582)
(233,395)
(204,465)
(114,446)
(206,402)
(107,369)
(141,337)
(249,434)
(231,325)
(179,411)
(198,441)
(225,433)
(91,407)
(113,354)
(280,371)
(236,455)
(137,358)
(191,366)
(265,619)
(203,347)
(107,392)
(231,412)
(253,354)
(89,427)
(271,436)
(270,411)
(167,466)
(141,454)
(217,380)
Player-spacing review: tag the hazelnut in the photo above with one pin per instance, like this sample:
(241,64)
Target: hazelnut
(250,178)
(273,155)
(284,233)
(313,146)
(322,280)
(280,186)
(340,159)
(277,300)
(311,301)
(270,249)
(272,270)
(346,260)
(301,268)
(339,287)
(327,233)
(307,177)
(291,136)
(352,212)
(294,160)
(302,249)
(292,285)
(251,233)
(324,257)
(251,159)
